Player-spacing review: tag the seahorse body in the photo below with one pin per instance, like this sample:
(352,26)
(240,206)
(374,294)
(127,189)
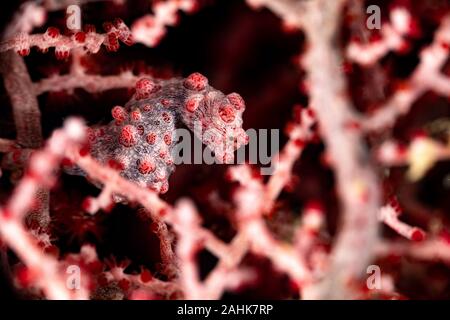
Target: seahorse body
(140,140)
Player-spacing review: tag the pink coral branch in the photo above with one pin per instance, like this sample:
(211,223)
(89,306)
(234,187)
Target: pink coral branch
(30,15)
(389,216)
(249,199)
(143,281)
(229,260)
(299,134)
(89,40)
(189,244)
(426,76)
(191,240)
(39,175)
(149,29)
(357,184)
(90,83)
(110,178)
(435,249)
(392,38)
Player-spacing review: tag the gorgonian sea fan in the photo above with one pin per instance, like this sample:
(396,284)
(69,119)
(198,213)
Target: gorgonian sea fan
(353,207)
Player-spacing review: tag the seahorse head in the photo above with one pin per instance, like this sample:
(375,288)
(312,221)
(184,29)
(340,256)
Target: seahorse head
(215,118)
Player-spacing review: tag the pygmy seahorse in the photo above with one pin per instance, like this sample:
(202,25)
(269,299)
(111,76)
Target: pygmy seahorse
(140,139)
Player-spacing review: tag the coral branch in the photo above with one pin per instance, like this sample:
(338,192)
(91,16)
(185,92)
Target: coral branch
(425,77)
(110,178)
(231,256)
(392,38)
(168,257)
(90,83)
(39,175)
(356,181)
(299,134)
(27,116)
(30,15)
(149,29)
(389,216)
(357,184)
(90,41)
(430,250)
(249,199)
(189,244)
